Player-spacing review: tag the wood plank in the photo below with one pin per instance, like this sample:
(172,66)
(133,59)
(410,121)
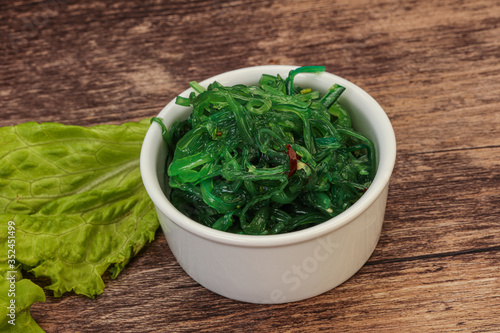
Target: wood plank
(442,202)
(154,294)
(441,73)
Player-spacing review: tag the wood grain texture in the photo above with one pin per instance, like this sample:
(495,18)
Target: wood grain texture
(434,66)
(428,294)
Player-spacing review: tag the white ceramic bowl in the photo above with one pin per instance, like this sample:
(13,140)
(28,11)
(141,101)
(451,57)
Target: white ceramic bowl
(285,267)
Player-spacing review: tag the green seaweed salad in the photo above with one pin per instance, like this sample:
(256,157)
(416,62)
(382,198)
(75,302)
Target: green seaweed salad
(266,159)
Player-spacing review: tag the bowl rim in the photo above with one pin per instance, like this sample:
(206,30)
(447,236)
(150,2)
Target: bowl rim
(148,170)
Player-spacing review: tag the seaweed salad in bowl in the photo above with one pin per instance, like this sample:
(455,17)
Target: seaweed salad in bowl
(266,158)
(260,172)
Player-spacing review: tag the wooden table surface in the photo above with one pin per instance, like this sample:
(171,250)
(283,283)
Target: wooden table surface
(434,66)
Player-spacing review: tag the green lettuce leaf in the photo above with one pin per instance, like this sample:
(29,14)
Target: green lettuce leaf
(77,199)
(16,317)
